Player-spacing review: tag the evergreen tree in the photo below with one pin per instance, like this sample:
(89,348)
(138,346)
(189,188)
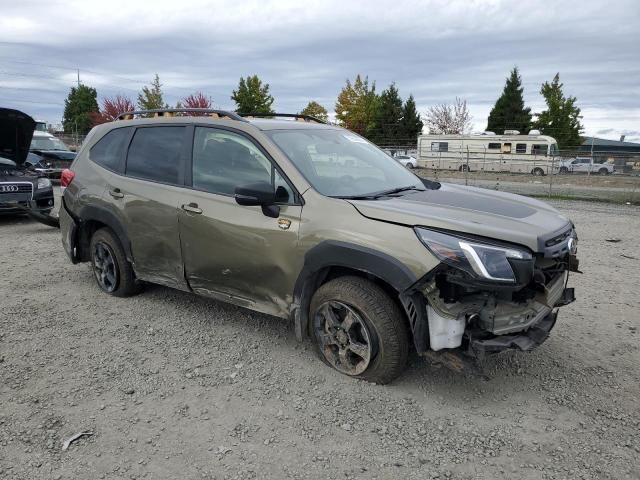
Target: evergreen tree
(357,105)
(316,110)
(252,96)
(561,119)
(509,112)
(80,109)
(388,115)
(151,98)
(411,123)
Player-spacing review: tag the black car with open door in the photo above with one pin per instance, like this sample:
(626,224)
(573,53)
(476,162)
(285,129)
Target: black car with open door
(22,189)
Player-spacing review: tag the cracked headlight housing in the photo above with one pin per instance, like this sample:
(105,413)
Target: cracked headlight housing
(480,260)
(43,183)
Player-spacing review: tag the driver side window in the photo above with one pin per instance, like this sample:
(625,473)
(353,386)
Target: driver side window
(224,160)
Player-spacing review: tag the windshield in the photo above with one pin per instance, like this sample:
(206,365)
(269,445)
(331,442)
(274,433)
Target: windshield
(338,163)
(47,143)
(554,149)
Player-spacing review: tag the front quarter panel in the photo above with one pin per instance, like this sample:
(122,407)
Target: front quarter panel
(336,220)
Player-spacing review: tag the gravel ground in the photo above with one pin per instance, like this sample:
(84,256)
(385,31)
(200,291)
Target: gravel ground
(177,386)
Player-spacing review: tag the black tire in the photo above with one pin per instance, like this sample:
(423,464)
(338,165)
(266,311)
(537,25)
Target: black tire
(381,321)
(538,172)
(464,168)
(603,171)
(564,170)
(117,278)
(409,165)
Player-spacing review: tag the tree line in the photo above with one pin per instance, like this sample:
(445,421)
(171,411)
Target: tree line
(384,118)
(560,119)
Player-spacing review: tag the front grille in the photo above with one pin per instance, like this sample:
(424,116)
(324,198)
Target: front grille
(558,239)
(16,191)
(558,244)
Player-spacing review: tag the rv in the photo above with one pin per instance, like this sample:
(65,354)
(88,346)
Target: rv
(488,152)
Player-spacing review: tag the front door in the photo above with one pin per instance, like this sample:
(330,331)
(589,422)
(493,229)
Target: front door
(236,252)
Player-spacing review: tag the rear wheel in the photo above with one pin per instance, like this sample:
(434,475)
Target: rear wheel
(409,165)
(112,270)
(564,170)
(538,172)
(359,330)
(464,168)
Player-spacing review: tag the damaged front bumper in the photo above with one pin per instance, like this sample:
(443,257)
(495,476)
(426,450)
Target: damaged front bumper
(482,320)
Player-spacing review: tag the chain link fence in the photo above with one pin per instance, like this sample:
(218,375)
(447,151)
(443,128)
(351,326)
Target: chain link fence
(605,176)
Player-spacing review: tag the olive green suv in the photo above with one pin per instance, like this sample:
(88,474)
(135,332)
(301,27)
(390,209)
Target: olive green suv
(310,222)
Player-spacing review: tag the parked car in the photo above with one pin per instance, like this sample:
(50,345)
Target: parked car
(49,155)
(407,161)
(367,262)
(22,190)
(585,165)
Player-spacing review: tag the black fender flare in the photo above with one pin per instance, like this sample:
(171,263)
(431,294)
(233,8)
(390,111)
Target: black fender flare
(100,214)
(357,257)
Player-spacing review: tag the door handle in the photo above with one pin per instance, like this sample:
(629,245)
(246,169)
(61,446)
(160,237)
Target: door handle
(116,193)
(192,207)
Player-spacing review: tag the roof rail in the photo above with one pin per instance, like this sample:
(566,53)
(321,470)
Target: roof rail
(298,116)
(180,112)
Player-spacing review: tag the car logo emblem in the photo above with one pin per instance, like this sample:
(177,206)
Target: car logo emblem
(284,224)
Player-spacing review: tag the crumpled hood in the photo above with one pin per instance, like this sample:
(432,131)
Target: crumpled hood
(476,211)
(16,131)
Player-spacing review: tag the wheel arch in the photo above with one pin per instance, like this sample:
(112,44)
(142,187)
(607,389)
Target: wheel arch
(91,219)
(333,259)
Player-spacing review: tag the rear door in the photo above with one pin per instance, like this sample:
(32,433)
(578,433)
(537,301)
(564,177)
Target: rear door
(235,252)
(146,197)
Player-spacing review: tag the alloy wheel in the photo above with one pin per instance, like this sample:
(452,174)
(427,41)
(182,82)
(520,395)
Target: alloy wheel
(343,337)
(105,267)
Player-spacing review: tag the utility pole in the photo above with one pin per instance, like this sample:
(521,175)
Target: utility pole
(78,70)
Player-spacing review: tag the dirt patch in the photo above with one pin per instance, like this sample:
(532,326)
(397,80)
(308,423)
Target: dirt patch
(177,386)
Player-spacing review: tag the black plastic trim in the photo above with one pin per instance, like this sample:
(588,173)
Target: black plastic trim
(332,253)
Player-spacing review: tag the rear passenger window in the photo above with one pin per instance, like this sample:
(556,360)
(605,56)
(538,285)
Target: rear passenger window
(521,148)
(110,149)
(155,154)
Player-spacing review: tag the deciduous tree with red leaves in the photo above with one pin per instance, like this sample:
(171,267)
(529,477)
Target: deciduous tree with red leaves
(197,100)
(112,107)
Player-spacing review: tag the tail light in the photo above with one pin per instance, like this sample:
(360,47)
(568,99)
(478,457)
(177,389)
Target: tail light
(66,177)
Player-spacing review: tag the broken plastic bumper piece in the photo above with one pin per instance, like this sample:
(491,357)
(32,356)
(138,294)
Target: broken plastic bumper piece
(525,341)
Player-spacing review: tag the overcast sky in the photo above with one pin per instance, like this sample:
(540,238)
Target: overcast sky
(305,50)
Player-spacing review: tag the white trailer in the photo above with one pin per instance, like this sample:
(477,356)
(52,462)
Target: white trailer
(488,152)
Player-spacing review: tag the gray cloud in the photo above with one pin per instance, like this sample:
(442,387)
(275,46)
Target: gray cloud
(305,50)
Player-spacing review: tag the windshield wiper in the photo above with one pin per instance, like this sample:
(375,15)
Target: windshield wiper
(384,193)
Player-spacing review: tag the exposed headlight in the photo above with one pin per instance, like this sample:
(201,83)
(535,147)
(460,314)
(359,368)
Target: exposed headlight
(44,183)
(489,262)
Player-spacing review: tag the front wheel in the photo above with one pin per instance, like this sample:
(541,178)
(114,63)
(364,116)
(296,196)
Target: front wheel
(409,165)
(359,330)
(603,171)
(464,168)
(564,170)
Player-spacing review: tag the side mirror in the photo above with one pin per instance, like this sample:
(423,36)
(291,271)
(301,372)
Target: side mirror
(259,194)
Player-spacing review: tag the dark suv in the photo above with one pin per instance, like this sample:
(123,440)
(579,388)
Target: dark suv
(310,222)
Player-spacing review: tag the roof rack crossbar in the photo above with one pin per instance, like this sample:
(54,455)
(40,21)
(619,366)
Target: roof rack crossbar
(171,112)
(297,116)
